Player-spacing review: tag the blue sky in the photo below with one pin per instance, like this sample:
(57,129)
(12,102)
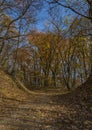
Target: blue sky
(44,17)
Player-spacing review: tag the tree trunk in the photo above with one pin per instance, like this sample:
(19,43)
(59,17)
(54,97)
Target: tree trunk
(54,78)
(90,15)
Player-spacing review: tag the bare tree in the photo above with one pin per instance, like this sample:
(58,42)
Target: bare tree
(81,8)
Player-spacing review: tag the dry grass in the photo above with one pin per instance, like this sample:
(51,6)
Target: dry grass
(9,89)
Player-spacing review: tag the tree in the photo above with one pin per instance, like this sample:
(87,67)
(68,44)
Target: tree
(16,20)
(83,10)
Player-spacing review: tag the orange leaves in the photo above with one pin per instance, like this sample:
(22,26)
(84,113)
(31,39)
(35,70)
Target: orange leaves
(22,55)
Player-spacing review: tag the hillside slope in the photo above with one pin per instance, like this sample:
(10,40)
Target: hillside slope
(81,93)
(9,89)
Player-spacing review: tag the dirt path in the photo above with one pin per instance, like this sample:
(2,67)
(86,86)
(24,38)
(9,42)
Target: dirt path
(30,115)
(44,112)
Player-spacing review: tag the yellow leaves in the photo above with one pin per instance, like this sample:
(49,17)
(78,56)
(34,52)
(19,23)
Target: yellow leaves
(48,45)
(88,122)
(84,38)
(6,20)
(66,20)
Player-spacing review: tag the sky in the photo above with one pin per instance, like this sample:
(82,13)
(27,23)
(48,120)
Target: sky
(43,16)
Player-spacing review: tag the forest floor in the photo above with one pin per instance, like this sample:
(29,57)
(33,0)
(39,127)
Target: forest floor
(46,111)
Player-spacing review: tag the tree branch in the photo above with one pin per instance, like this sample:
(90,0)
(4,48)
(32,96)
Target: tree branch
(72,9)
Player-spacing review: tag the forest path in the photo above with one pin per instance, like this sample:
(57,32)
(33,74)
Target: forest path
(45,112)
